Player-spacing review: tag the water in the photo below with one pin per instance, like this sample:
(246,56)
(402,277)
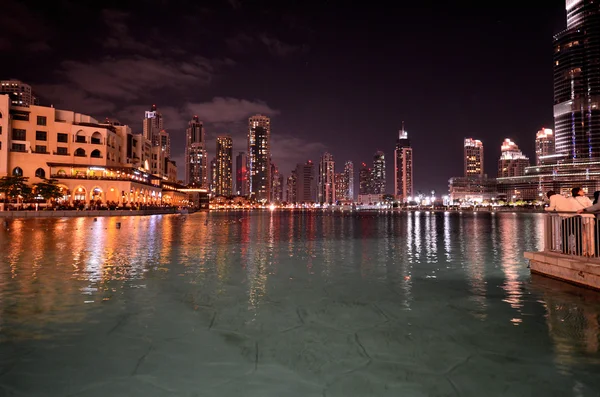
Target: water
(305,304)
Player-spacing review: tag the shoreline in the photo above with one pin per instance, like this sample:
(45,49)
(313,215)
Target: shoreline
(77,213)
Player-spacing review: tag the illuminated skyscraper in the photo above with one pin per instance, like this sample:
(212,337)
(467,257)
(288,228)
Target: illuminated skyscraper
(544,146)
(153,125)
(473,157)
(349,177)
(378,178)
(259,157)
(196,162)
(19,92)
(224,182)
(577,83)
(326,181)
(403,167)
(291,188)
(241,174)
(512,161)
(213,176)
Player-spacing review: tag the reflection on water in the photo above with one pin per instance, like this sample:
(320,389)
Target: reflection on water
(447,276)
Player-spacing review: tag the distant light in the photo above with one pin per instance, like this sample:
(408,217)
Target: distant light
(272,207)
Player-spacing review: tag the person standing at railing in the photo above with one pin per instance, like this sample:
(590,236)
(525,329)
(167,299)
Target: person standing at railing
(586,228)
(595,207)
(565,209)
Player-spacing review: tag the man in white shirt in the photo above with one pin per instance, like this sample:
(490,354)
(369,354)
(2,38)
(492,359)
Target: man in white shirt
(562,225)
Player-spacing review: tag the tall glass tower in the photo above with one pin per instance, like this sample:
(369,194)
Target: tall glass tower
(577,83)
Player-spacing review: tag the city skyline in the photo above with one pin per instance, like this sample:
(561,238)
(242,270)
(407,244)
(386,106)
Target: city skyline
(300,75)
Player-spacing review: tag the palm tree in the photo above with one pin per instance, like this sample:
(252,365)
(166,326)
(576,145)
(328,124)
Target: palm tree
(15,187)
(48,189)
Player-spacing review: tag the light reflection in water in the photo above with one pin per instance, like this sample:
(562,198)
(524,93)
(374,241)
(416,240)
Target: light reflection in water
(46,265)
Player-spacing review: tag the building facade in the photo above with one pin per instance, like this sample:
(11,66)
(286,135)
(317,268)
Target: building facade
(224,160)
(577,84)
(326,179)
(20,93)
(349,180)
(305,183)
(291,188)
(473,157)
(365,186)
(378,177)
(544,146)
(403,167)
(259,157)
(277,184)
(93,162)
(196,161)
(475,189)
(512,161)
(241,174)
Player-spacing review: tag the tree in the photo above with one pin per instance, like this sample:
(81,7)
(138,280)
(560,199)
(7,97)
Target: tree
(48,189)
(15,186)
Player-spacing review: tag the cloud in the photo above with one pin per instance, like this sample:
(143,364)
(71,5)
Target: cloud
(289,150)
(23,29)
(72,98)
(127,78)
(278,48)
(228,110)
(119,36)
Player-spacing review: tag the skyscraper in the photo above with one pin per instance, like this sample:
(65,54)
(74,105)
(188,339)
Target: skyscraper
(341,186)
(213,176)
(364,180)
(165,143)
(473,157)
(326,180)
(305,183)
(544,146)
(259,157)
(512,161)
(224,182)
(276,184)
(349,176)
(241,174)
(291,188)
(403,167)
(577,83)
(378,178)
(196,162)
(153,125)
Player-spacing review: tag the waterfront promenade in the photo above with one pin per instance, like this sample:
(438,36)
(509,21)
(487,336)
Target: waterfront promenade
(86,213)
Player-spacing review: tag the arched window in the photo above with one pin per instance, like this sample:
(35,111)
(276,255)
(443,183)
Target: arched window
(96,154)
(17,171)
(40,173)
(96,138)
(80,137)
(80,152)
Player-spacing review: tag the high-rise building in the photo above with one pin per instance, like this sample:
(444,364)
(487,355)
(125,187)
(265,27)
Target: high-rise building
(165,144)
(153,125)
(305,183)
(349,180)
(403,167)
(196,161)
(20,93)
(259,157)
(224,174)
(276,184)
(291,188)
(326,180)
(473,157)
(341,186)
(577,83)
(378,179)
(512,161)
(365,185)
(241,174)
(544,146)
(213,176)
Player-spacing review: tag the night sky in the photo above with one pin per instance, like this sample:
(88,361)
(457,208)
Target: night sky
(333,77)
